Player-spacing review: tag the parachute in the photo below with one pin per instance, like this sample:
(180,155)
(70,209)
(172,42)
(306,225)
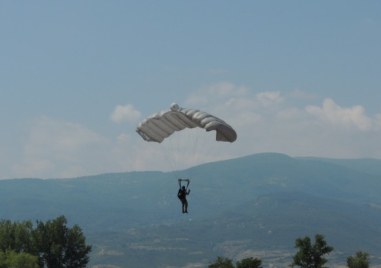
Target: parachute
(160,126)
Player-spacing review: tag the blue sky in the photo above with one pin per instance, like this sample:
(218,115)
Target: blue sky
(76,77)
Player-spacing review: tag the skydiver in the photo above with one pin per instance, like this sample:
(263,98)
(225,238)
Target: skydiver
(182,195)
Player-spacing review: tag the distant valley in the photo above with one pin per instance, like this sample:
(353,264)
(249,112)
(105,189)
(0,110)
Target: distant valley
(250,206)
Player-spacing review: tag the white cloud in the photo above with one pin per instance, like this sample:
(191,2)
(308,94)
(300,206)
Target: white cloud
(226,89)
(272,121)
(213,94)
(125,113)
(334,114)
(302,95)
(61,149)
(269,98)
(228,94)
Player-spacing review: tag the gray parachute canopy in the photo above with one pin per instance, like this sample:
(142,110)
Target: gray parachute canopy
(161,125)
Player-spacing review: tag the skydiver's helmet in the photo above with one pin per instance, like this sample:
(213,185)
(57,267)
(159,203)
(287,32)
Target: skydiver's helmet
(183,188)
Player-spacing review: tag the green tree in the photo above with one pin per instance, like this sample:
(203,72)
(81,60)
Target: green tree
(60,246)
(23,237)
(15,236)
(22,260)
(222,262)
(12,259)
(3,260)
(76,251)
(311,256)
(360,260)
(52,243)
(249,263)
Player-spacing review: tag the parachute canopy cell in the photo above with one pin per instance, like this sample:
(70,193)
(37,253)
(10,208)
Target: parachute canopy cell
(161,125)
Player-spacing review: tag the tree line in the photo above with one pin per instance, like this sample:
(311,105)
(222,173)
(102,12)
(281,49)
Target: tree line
(308,255)
(50,244)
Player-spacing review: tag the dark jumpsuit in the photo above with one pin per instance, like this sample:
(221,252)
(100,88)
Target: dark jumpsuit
(182,195)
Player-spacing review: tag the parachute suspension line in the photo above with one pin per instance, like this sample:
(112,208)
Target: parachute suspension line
(174,150)
(195,149)
(191,139)
(170,153)
(182,151)
(186,180)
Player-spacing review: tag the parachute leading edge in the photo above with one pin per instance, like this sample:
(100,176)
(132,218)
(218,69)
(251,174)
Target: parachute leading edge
(161,125)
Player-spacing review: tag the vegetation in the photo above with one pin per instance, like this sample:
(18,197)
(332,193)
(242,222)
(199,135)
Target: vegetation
(308,256)
(12,259)
(249,263)
(51,244)
(311,255)
(222,262)
(360,260)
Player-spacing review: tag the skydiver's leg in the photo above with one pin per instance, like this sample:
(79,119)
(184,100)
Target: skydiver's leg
(186,206)
(183,205)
